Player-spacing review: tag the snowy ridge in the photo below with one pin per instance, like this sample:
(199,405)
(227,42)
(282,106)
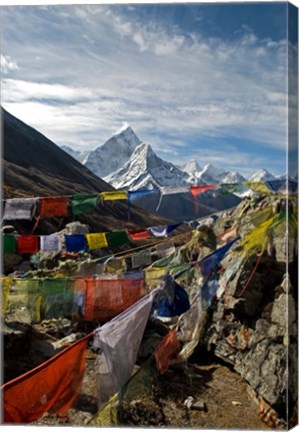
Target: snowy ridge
(262,175)
(145,170)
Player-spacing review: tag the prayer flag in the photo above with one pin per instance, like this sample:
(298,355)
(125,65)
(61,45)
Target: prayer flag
(227,188)
(141,258)
(83,204)
(58,298)
(108,415)
(139,234)
(27,244)
(9,243)
(132,195)
(96,241)
(5,287)
(211,262)
(50,243)
(175,306)
(20,208)
(196,190)
(226,235)
(117,238)
(167,190)
(51,387)
(119,342)
(153,276)
(75,242)
(208,291)
(163,231)
(114,195)
(258,187)
(53,206)
(116,266)
(25,295)
(167,351)
(106,298)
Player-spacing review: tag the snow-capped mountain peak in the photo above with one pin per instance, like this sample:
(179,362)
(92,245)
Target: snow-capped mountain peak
(146,170)
(191,167)
(262,175)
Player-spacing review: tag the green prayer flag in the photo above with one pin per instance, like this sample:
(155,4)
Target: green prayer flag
(83,204)
(117,238)
(9,244)
(58,298)
(227,188)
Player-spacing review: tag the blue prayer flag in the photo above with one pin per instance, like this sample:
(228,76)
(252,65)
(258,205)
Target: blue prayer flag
(211,263)
(75,242)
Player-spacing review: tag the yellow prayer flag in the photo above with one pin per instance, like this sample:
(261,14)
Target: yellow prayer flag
(97,240)
(106,416)
(258,187)
(115,195)
(153,276)
(5,282)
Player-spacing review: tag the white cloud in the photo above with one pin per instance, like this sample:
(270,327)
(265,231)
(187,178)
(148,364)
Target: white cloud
(94,69)
(7,64)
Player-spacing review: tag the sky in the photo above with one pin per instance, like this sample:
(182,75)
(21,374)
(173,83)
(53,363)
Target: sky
(195,81)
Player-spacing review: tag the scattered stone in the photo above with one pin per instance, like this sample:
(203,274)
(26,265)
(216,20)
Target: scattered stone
(199,406)
(188,403)
(236,403)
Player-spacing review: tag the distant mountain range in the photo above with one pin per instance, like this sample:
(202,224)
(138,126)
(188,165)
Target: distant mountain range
(125,162)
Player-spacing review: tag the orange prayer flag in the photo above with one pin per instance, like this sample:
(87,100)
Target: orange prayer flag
(168,350)
(227,235)
(106,298)
(53,206)
(51,387)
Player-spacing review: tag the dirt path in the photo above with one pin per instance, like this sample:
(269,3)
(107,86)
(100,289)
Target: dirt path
(223,392)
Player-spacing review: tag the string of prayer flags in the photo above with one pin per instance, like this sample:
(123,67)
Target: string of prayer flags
(75,242)
(226,188)
(9,243)
(96,241)
(141,258)
(258,187)
(163,231)
(114,195)
(27,244)
(51,387)
(117,238)
(167,351)
(139,234)
(20,208)
(106,298)
(83,204)
(119,341)
(50,243)
(53,206)
(196,190)
(211,262)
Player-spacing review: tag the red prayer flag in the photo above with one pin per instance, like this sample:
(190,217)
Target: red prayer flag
(51,387)
(196,190)
(106,298)
(168,350)
(139,234)
(53,206)
(27,244)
